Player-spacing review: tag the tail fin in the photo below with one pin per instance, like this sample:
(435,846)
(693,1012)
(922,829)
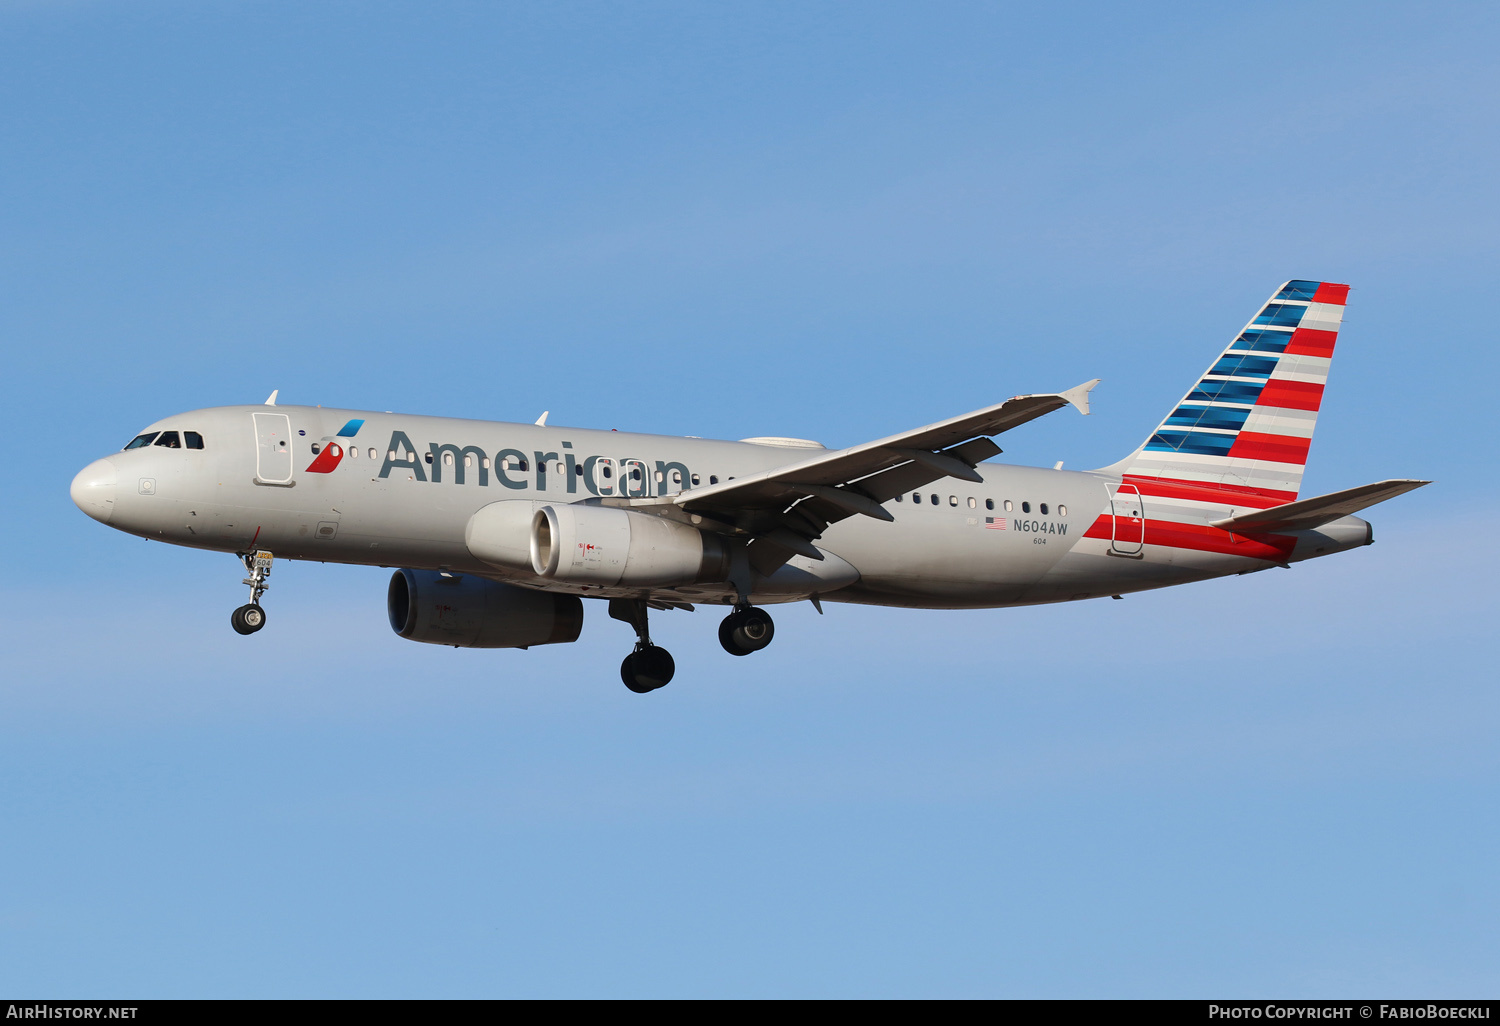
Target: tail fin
(1242,433)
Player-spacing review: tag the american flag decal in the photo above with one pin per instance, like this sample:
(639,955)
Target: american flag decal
(994,523)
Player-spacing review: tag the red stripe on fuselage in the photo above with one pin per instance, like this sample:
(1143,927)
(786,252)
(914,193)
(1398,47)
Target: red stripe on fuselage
(1291,395)
(1273,548)
(1203,491)
(1252,445)
(1311,342)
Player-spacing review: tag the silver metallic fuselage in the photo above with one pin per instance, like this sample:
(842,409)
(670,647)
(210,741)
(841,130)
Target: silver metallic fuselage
(413,513)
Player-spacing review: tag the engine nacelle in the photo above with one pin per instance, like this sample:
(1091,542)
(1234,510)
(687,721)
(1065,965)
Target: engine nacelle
(607,546)
(471,612)
(500,533)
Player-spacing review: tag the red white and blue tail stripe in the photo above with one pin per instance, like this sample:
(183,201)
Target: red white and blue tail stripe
(1241,434)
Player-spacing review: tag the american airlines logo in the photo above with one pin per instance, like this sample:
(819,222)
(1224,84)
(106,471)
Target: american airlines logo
(511,468)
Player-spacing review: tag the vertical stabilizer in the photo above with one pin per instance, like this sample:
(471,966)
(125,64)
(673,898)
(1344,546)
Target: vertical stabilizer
(1242,433)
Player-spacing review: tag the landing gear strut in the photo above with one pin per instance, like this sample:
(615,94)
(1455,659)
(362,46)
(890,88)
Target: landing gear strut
(251,617)
(648,667)
(747,629)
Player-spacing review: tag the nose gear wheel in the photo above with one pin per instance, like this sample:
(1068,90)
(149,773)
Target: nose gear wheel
(248,619)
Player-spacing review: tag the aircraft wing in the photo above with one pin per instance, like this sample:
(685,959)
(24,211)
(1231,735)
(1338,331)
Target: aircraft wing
(1305,514)
(788,506)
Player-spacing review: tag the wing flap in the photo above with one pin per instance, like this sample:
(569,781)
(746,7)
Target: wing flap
(1306,514)
(847,481)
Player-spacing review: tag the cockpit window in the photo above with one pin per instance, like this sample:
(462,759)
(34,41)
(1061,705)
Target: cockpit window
(170,440)
(194,439)
(140,440)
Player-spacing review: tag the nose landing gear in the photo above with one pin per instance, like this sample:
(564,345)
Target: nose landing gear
(249,618)
(650,666)
(747,629)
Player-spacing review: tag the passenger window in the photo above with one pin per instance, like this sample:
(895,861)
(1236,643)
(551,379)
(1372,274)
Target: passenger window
(972,503)
(953,500)
(898,498)
(194,439)
(608,472)
(468,460)
(635,473)
(916,497)
(713,478)
(1009,506)
(989,503)
(315,448)
(1043,508)
(695,479)
(1025,507)
(677,477)
(934,498)
(372,455)
(1062,511)
(428,457)
(353,452)
(170,440)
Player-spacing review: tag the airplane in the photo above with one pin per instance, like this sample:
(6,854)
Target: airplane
(498,531)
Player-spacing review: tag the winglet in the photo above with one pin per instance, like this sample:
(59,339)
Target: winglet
(1078,395)
(542,420)
(271,399)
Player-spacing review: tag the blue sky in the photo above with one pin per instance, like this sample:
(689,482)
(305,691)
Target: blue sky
(832,221)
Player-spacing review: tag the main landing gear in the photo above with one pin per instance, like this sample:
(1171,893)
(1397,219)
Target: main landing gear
(747,629)
(650,666)
(251,617)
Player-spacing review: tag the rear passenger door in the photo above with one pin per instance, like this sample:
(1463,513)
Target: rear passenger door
(1129,532)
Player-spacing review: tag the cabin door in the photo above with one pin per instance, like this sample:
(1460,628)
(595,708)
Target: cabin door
(604,476)
(273,448)
(1129,534)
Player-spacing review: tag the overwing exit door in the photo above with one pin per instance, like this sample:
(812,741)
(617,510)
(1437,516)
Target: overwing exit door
(1129,533)
(273,448)
(604,476)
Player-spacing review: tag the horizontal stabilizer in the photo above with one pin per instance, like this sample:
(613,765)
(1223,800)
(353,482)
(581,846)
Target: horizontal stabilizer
(1305,514)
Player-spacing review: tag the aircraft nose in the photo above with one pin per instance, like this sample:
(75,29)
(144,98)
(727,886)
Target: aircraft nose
(93,490)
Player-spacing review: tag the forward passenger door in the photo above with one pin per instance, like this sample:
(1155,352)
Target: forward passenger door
(273,448)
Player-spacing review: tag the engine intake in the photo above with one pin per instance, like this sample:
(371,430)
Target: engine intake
(606,546)
(471,612)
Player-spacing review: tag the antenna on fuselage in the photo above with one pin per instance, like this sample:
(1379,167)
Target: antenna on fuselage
(271,399)
(540,421)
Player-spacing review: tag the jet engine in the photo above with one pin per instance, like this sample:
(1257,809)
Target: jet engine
(471,612)
(606,546)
